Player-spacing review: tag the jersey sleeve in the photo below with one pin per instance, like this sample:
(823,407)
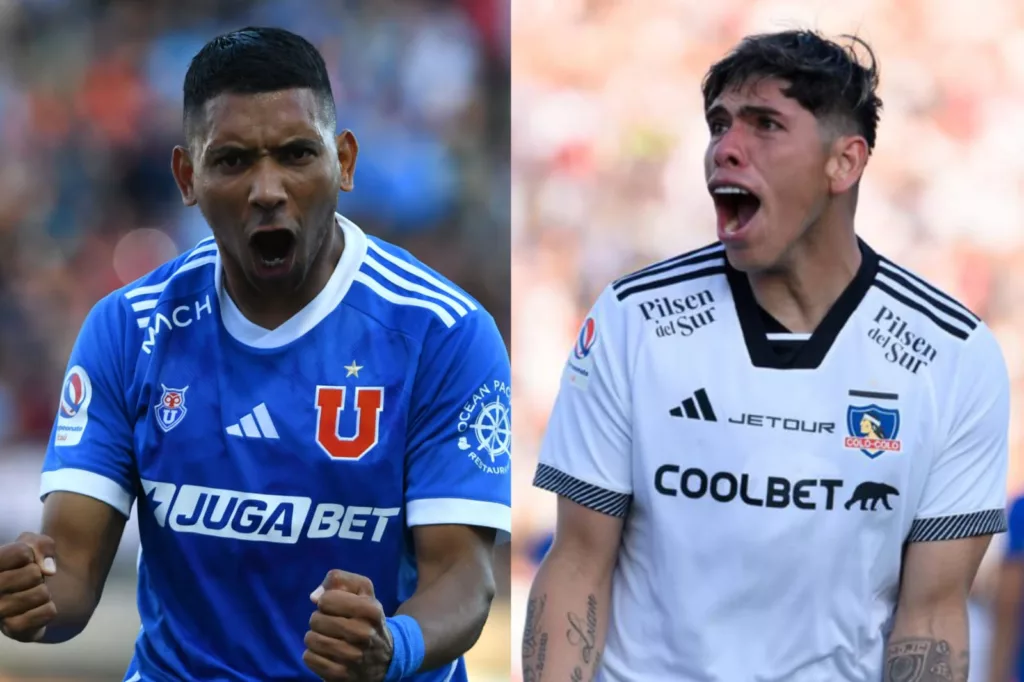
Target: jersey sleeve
(1015,532)
(965,494)
(458,466)
(90,450)
(586,452)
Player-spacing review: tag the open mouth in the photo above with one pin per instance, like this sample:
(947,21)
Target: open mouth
(736,206)
(272,249)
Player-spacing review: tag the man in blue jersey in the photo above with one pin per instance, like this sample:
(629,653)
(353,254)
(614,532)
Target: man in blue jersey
(1006,658)
(303,413)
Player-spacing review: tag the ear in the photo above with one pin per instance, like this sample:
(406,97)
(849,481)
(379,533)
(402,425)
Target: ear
(181,168)
(348,150)
(845,165)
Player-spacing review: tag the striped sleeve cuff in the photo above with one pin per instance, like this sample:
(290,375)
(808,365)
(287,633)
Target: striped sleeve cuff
(582,493)
(987,522)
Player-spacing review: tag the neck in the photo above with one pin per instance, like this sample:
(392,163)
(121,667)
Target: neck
(270,310)
(813,275)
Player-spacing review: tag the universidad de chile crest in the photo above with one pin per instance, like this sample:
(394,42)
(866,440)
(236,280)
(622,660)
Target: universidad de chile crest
(171,408)
(873,430)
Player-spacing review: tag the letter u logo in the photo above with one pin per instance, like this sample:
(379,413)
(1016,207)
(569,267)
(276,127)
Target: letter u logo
(330,402)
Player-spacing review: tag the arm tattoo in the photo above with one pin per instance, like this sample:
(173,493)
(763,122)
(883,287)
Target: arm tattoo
(597,666)
(925,660)
(535,640)
(582,633)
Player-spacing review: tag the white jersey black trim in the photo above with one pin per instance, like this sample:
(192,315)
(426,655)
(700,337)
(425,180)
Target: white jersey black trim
(986,522)
(702,254)
(582,493)
(950,329)
(956,321)
(890,265)
(809,353)
(675,270)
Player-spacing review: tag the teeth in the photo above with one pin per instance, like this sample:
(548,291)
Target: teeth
(272,262)
(731,190)
(732,226)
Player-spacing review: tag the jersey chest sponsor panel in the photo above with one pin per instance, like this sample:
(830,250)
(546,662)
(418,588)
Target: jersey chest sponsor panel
(833,458)
(812,477)
(276,448)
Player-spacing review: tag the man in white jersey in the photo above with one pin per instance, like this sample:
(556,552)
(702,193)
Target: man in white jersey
(780,457)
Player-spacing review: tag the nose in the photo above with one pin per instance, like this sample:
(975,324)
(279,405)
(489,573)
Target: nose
(728,152)
(267,191)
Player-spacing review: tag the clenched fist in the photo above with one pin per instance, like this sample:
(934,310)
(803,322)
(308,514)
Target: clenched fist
(25,605)
(348,637)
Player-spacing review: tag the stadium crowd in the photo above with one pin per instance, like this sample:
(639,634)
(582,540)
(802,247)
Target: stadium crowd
(608,138)
(90,107)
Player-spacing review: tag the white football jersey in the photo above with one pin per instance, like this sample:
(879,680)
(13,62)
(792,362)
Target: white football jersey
(769,480)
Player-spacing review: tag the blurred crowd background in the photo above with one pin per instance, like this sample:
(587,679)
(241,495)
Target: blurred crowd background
(90,107)
(608,136)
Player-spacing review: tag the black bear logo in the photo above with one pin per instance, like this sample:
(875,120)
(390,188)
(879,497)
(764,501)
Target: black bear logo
(873,493)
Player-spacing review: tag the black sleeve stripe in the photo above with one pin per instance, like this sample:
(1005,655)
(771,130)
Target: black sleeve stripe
(715,252)
(963,317)
(582,493)
(910,303)
(668,281)
(921,281)
(986,522)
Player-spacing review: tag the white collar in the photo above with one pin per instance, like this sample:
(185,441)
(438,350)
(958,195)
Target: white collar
(250,334)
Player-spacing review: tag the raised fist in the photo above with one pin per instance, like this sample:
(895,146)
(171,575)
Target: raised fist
(25,604)
(348,638)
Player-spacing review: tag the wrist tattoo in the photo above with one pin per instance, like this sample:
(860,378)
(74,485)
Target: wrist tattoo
(925,660)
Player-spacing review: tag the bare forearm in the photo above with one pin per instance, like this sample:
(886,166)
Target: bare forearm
(1007,597)
(1001,659)
(451,612)
(566,623)
(1004,645)
(86,533)
(930,647)
(75,600)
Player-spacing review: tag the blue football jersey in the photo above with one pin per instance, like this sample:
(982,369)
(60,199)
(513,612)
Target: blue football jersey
(1014,552)
(261,459)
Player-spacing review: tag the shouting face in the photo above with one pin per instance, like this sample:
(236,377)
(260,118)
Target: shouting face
(772,170)
(265,170)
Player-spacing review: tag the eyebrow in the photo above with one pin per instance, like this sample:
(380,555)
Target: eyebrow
(239,147)
(746,111)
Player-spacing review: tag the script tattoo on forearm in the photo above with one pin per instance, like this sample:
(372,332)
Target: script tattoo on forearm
(597,665)
(925,660)
(582,633)
(535,640)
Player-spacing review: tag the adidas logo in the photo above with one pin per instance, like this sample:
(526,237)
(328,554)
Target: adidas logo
(256,424)
(697,407)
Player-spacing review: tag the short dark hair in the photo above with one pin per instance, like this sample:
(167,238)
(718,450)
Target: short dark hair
(254,60)
(826,78)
